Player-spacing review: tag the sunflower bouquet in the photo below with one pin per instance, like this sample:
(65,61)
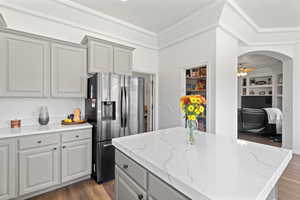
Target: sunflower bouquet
(193,107)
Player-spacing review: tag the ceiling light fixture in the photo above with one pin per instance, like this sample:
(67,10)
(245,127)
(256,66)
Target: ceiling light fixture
(124,0)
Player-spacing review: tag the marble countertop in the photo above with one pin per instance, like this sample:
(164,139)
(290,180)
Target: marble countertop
(217,167)
(33,130)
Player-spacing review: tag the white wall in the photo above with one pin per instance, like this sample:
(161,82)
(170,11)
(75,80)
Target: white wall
(227,49)
(27,109)
(188,53)
(296,105)
(69,24)
(207,47)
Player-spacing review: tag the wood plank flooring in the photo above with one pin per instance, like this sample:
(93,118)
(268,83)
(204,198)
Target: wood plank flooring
(258,139)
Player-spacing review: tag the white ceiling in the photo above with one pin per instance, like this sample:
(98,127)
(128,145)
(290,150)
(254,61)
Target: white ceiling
(259,61)
(153,15)
(272,13)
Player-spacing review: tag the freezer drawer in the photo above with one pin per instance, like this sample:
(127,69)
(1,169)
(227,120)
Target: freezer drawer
(104,161)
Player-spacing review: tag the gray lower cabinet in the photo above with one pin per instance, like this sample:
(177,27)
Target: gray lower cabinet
(38,169)
(68,71)
(76,160)
(7,169)
(23,66)
(126,188)
(133,182)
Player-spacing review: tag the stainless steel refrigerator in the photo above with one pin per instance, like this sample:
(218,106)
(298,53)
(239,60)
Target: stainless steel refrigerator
(115,108)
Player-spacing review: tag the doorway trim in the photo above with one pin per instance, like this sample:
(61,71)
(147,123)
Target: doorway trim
(288,82)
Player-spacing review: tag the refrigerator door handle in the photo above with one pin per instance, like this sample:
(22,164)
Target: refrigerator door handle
(121,102)
(126,107)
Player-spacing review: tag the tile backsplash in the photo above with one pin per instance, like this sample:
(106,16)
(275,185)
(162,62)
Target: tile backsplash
(27,109)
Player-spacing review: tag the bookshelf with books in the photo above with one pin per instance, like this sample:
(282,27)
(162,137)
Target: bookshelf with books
(196,84)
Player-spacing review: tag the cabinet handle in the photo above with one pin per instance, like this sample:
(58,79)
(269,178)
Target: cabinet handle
(39,142)
(140,196)
(125,166)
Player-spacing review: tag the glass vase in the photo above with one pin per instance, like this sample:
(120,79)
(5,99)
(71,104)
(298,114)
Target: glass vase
(192,125)
(43,116)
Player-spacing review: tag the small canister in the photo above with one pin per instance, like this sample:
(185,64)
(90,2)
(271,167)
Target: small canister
(15,123)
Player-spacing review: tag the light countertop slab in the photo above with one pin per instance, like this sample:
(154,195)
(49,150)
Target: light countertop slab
(34,130)
(217,167)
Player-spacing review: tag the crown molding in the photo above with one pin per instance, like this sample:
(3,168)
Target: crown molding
(248,43)
(194,14)
(188,36)
(90,11)
(258,29)
(75,25)
(2,21)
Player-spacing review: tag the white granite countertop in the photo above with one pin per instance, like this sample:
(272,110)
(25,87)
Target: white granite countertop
(33,130)
(216,168)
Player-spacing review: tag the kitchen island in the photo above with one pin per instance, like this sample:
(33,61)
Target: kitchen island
(161,165)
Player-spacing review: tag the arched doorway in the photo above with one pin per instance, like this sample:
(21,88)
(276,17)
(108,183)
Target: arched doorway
(287,93)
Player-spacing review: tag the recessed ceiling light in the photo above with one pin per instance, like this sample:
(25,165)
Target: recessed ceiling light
(124,0)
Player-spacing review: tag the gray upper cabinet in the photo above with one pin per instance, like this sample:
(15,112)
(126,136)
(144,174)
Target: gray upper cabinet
(23,66)
(100,57)
(106,56)
(122,60)
(37,66)
(68,71)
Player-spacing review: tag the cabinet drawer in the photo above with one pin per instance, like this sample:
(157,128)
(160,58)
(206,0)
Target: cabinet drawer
(126,188)
(131,168)
(38,141)
(72,136)
(161,191)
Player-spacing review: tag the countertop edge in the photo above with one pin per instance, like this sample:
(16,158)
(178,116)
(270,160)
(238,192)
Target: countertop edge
(275,178)
(48,131)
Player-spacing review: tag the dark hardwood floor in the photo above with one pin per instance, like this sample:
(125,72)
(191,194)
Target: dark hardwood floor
(254,137)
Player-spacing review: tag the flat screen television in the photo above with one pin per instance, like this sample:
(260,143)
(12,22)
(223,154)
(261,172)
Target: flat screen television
(257,102)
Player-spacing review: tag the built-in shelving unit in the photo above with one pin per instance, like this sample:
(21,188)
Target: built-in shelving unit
(196,84)
(263,86)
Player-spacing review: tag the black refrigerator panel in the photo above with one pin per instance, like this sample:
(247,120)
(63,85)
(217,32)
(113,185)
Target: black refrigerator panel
(105,162)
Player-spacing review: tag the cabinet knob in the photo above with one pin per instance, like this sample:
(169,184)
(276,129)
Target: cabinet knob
(54,148)
(125,166)
(140,196)
(63,147)
(77,136)
(39,142)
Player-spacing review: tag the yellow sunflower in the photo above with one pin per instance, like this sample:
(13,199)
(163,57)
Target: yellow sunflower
(191,108)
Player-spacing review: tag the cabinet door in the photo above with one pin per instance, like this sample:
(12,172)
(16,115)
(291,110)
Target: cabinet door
(7,169)
(38,169)
(100,57)
(24,65)
(76,160)
(126,188)
(68,71)
(122,61)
